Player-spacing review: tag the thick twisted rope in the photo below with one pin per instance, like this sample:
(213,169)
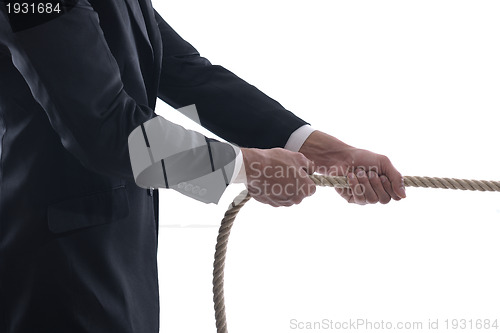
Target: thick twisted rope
(340,182)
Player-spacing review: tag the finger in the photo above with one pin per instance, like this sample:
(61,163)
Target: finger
(275,202)
(357,189)
(285,203)
(259,194)
(264,200)
(377,186)
(345,193)
(388,188)
(395,178)
(296,200)
(369,193)
(303,191)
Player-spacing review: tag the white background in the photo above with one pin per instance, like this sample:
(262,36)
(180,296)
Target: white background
(418,81)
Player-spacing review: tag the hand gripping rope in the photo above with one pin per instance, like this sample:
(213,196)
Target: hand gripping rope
(341,182)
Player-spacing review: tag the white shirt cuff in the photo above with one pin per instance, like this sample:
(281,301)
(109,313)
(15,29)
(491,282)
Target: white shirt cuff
(297,139)
(294,143)
(239,171)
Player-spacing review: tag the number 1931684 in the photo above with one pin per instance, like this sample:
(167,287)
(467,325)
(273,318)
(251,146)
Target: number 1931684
(33,8)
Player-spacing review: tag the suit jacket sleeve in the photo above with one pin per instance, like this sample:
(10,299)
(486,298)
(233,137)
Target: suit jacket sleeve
(227,105)
(73,75)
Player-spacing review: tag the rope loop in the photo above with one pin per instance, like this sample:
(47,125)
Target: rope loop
(319,180)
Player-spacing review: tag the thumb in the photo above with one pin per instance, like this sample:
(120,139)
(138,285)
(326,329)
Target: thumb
(396,179)
(307,165)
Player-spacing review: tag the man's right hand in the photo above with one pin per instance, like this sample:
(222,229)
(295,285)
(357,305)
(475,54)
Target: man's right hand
(278,177)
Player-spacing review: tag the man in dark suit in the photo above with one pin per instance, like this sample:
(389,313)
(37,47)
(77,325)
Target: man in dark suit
(78,237)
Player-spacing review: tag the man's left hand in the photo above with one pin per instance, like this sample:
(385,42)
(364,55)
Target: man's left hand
(372,177)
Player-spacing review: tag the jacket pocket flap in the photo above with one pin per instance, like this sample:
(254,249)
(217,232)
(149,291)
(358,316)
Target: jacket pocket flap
(100,208)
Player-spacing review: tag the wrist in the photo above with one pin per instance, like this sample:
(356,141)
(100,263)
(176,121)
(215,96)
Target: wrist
(253,159)
(325,149)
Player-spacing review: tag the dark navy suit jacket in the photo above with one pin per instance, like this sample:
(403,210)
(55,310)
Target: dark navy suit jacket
(78,238)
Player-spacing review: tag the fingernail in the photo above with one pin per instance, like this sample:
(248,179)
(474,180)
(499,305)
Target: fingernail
(402,188)
(361,173)
(371,174)
(350,175)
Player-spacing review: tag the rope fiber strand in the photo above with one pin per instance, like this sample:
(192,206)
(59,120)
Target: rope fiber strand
(319,180)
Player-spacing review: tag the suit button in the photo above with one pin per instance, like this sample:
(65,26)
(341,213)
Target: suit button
(202,192)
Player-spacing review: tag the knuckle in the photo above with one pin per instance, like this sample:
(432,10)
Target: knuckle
(373,176)
(361,174)
(298,155)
